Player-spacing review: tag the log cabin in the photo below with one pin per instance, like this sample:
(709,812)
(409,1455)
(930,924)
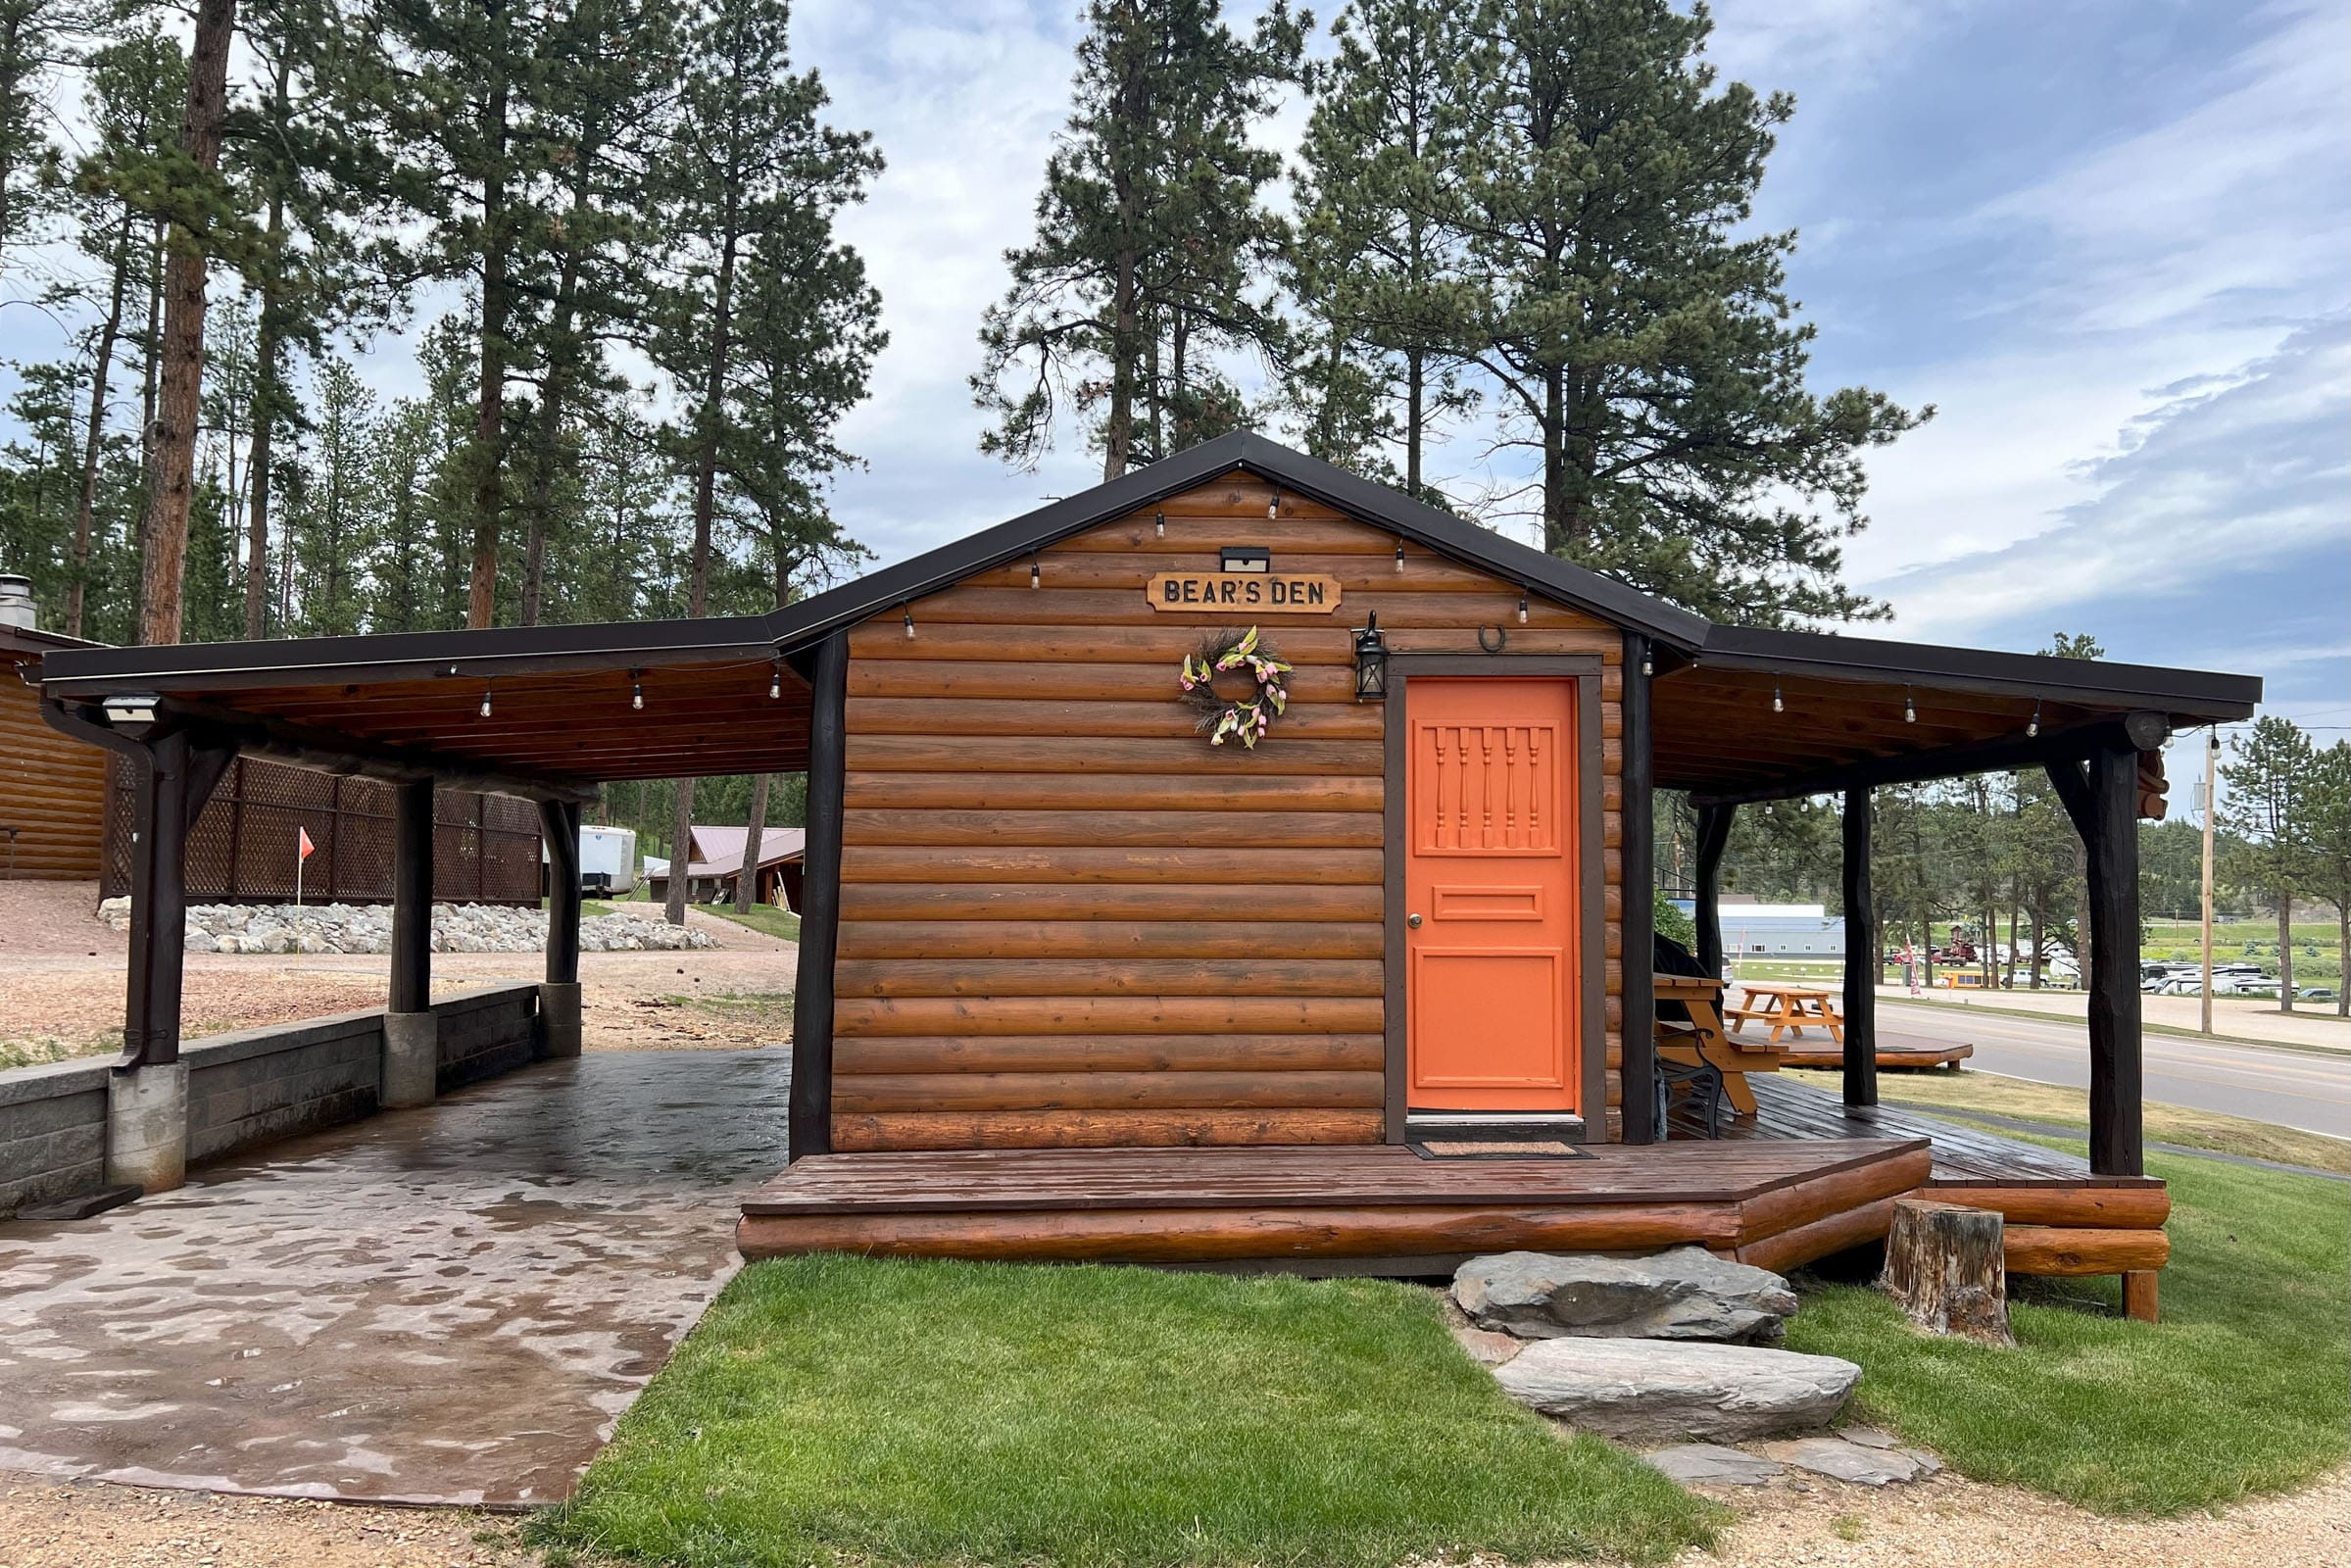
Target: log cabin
(1109,954)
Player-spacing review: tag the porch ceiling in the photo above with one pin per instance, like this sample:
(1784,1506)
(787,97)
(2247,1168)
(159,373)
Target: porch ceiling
(1844,702)
(562,700)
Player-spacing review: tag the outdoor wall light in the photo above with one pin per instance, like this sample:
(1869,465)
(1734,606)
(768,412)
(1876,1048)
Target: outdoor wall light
(1245,557)
(1371,663)
(131,713)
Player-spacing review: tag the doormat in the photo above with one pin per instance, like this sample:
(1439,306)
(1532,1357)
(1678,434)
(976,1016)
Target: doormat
(1524,1148)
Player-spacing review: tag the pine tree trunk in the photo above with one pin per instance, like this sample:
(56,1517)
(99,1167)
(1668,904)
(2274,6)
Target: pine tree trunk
(269,349)
(681,830)
(180,396)
(746,881)
(489,404)
(1557,527)
(1414,391)
(2286,949)
(85,509)
(1119,433)
(554,399)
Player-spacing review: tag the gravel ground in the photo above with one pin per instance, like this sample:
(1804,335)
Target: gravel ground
(43,1525)
(1954,1523)
(61,983)
(1947,1523)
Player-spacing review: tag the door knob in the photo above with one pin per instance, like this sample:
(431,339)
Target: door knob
(1412,921)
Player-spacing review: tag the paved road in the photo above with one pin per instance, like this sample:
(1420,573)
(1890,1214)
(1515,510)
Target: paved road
(2305,1089)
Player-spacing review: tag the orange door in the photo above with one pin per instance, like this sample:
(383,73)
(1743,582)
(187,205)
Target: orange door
(1491,883)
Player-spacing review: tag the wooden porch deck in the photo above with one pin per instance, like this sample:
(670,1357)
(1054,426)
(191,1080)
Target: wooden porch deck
(2062,1218)
(1327,1209)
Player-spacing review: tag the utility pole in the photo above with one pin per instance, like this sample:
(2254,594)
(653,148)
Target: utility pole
(2212,758)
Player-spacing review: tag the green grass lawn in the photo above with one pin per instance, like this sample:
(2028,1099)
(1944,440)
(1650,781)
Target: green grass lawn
(772,919)
(838,1409)
(2240,1389)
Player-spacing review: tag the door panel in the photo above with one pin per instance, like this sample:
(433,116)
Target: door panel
(1490,869)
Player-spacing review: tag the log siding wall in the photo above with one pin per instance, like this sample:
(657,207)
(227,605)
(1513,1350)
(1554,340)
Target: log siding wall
(1067,921)
(52,793)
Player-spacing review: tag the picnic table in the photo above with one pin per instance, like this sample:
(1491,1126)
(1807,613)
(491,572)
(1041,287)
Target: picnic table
(1703,1038)
(1788,1010)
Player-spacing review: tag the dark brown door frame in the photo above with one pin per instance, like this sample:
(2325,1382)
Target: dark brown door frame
(810,1117)
(1585,670)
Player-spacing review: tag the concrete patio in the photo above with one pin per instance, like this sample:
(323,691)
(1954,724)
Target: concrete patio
(450,1304)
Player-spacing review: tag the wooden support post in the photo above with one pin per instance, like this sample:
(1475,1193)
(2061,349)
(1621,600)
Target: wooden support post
(1637,903)
(2117,1137)
(411,897)
(1714,836)
(811,1105)
(2138,1295)
(559,823)
(1861,955)
(158,902)
(560,1019)
(1944,1264)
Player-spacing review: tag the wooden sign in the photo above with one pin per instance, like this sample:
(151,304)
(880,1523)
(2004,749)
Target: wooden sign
(1244,592)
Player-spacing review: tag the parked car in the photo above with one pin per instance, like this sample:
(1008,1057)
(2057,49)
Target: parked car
(2315,993)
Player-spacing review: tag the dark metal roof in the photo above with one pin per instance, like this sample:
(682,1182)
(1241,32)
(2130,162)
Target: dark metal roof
(501,650)
(1832,656)
(798,626)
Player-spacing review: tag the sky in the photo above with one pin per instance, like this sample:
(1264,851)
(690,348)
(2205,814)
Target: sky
(2107,240)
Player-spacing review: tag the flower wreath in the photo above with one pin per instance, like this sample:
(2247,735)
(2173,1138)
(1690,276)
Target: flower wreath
(1247,719)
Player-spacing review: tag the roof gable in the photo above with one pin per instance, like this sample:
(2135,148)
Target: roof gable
(799,626)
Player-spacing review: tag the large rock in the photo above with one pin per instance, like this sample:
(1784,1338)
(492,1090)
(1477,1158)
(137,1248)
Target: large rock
(1674,1391)
(1684,1294)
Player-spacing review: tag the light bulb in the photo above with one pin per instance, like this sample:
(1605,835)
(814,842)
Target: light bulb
(1036,573)
(910,625)
(1910,712)
(485,702)
(1778,707)
(1522,609)
(1399,555)
(775,681)
(2033,724)
(636,693)
(1159,524)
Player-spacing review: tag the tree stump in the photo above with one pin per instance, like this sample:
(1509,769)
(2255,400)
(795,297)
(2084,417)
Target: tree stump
(1943,1264)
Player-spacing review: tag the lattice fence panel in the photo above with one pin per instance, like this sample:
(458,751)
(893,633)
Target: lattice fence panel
(244,847)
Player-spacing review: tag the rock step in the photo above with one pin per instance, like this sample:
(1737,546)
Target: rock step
(1685,1293)
(1677,1391)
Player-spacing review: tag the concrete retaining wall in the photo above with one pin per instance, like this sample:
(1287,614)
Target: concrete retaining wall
(248,1088)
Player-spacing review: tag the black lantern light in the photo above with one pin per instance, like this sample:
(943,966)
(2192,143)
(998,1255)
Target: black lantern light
(1371,663)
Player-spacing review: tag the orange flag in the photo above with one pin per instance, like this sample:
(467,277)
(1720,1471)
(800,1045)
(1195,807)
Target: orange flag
(303,844)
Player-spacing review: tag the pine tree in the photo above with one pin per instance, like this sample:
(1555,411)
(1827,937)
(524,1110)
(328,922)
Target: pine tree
(1151,235)
(454,89)
(194,211)
(750,158)
(1376,260)
(608,90)
(2326,818)
(35,44)
(2269,779)
(1639,347)
(135,83)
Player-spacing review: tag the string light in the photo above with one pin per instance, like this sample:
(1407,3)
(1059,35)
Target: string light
(485,700)
(1778,707)
(1522,609)
(1273,507)
(636,692)
(910,625)
(2033,724)
(1399,555)
(1036,572)
(1648,663)
(775,679)
(1159,524)
(1910,709)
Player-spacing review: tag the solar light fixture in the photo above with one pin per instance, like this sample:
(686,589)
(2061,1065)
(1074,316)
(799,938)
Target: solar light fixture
(1246,558)
(131,713)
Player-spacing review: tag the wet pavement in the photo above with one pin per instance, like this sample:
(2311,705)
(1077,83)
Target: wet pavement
(450,1304)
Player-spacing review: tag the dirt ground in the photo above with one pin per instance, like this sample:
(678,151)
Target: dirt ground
(1947,1523)
(61,984)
